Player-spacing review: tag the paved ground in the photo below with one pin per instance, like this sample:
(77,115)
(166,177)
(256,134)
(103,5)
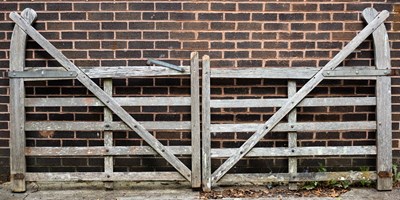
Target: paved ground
(152,191)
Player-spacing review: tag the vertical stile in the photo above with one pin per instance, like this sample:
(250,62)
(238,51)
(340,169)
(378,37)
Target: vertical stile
(17,105)
(383,102)
(108,135)
(292,136)
(195,119)
(206,121)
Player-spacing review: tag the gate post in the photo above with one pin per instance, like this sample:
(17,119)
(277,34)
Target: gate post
(195,119)
(383,104)
(206,120)
(17,105)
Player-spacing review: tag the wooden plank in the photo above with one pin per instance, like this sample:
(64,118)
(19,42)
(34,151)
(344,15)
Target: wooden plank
(206,121)
(108,135)
(258,178)
(195,119)
(383,106)
(101,126)
(307,102)
(279,73)
(298,97)
(123,71)
(101,176)
(102,151)
(123,101)
(292,136)
(17,110)
(104,97)
(297,127)
(356,73)
(297,151)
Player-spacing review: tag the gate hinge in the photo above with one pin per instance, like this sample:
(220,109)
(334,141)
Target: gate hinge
(385,174)
(18,176)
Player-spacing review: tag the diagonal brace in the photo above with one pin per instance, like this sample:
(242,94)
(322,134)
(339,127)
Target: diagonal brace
(102,96)
(298,97)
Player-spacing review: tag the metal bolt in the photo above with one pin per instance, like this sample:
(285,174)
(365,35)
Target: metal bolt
(357,72)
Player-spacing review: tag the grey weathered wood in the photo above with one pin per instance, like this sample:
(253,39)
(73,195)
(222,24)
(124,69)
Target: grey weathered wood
(258,178)
(297,127)
(356,73)
(281,72)
(123,71)
(297,151)
(307,102)
(383,106)
(195,119)
(206,121)
(101,176)
(292,136)
(299,96)
(123,101)
(17,110)
(42,74)
(102,151)
(108,135)
(104,97)
(101,126)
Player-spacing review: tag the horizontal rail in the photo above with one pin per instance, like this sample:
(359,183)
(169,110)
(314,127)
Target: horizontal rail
(122,71)
(102,126)
(101,176)
(308,102)
(263,178)
(298,151)
(280,73)
(102,151)
(295,127)
(123,101)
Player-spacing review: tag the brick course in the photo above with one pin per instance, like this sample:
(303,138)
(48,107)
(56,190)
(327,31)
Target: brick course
(234,34)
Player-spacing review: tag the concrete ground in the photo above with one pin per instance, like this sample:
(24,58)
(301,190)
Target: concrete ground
(141,191)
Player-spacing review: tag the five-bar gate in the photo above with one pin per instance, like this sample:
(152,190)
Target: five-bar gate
(382,125)
(113,106)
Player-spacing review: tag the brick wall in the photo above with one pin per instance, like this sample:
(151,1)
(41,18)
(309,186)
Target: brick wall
(234,34)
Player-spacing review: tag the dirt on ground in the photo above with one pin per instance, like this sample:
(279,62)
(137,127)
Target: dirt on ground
(275,192)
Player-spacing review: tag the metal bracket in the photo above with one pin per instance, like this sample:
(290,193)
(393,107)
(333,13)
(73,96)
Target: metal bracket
(18,176)
(165,64)
(356,72)
(42,74)
(385,174)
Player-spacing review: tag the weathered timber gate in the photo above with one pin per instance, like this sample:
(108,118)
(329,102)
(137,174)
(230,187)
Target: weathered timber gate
(103,97)
(382,125)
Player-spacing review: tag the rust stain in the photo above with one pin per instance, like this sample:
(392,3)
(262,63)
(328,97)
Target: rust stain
(46,134)
(396,17)
(88,101)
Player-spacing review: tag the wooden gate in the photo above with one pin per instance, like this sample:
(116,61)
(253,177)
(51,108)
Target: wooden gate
(112,105)
(382,125)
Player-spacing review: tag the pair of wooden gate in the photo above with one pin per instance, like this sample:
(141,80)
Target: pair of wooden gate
(19,74)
